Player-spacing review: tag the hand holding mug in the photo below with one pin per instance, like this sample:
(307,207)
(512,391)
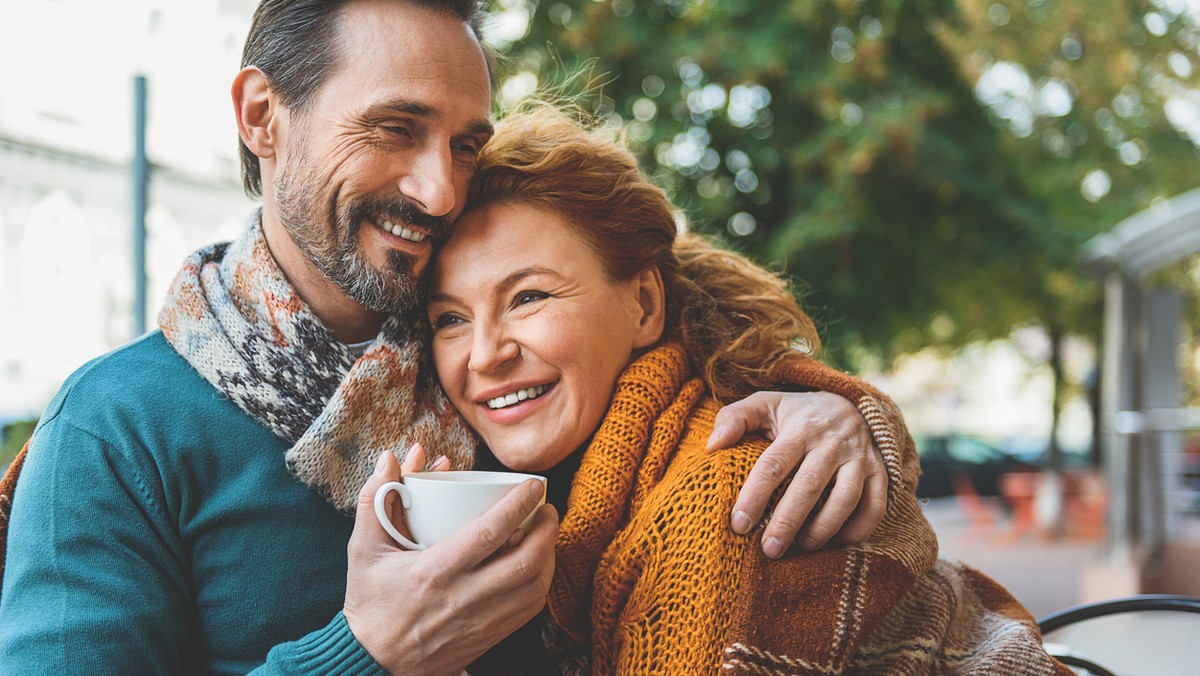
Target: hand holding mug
(436,610)
(436,505)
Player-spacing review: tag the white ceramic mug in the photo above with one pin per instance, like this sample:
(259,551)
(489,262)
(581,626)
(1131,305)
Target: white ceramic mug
(438,504)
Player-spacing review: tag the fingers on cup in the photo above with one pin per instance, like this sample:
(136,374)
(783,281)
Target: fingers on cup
(414,460)
(491,531)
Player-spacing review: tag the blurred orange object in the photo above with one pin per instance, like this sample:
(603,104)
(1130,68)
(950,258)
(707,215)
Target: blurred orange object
(1084,504)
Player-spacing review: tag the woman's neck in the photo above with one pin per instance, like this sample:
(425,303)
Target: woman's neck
(559,478)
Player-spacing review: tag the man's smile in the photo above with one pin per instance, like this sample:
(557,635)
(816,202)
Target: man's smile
(398,230)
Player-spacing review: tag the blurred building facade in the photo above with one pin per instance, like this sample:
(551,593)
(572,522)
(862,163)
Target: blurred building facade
(1148,431)
(66,139)
(66,261)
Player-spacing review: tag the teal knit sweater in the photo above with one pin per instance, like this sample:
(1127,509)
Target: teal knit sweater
(155,529)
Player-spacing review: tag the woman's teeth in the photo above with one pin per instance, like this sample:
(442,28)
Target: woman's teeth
(400,231)
(518,396)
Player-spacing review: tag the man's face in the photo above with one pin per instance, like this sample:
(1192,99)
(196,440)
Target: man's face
(377,166)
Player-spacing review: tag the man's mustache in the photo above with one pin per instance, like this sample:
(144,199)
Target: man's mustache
(403,212)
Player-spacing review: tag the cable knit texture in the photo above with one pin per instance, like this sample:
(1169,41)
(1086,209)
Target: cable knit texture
(234,317)
(650,577)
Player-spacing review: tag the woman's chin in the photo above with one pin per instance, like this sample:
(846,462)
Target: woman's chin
(523,460)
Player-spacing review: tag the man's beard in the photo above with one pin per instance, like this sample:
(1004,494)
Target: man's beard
(328,235)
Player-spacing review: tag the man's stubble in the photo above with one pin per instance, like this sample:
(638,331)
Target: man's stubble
(328,234)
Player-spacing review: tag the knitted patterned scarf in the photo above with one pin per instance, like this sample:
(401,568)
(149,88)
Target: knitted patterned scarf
(235,318)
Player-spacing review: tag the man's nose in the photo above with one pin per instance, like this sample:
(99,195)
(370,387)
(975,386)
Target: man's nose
(430,181)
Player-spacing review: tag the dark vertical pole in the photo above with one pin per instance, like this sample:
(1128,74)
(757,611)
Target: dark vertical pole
(141,175)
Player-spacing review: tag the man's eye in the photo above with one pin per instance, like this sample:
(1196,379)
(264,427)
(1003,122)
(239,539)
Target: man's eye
(469,147)
(397,130)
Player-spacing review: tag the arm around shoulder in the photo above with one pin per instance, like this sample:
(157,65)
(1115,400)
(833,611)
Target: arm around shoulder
(882,416)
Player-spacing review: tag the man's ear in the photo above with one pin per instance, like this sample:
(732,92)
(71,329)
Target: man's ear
(258,112)
(652,300)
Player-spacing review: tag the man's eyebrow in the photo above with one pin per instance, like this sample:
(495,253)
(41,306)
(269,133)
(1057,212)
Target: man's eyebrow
(400,107)
(483,127)
(415,109)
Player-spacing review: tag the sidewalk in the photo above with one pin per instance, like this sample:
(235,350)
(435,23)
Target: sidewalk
(1044,574)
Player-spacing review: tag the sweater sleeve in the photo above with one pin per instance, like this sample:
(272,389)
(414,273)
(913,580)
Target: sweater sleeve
(332,650)
(95,579)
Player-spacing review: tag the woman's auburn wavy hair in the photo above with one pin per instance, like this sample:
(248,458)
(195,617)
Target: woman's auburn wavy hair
(734,318)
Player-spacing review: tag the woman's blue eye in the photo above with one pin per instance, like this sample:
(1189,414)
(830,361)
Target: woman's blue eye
(446,320)
(527,297)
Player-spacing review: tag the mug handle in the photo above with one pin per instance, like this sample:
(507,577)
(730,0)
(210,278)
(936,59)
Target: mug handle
(381,513)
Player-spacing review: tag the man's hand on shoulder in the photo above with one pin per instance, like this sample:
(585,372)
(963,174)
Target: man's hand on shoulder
(839,491)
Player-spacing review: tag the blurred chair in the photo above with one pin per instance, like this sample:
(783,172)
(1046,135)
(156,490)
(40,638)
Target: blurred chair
(1149,634)
(1086,504)
(1020,490)
(982,512)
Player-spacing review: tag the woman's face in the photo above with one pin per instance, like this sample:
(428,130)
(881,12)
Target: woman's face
(529,333)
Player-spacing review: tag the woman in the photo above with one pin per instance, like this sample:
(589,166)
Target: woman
(581,337)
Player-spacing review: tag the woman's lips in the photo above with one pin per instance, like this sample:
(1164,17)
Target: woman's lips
(517,396)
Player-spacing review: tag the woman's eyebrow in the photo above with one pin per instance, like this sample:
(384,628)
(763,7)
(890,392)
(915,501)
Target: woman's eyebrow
(503,285)
(514,278)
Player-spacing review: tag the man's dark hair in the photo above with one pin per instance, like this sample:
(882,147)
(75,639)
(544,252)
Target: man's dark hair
(296,43)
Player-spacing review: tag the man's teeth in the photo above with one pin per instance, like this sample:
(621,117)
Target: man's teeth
(400,231)
(518,396)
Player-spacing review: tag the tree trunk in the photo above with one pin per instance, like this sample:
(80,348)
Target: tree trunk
(1049,499)
(1053,452)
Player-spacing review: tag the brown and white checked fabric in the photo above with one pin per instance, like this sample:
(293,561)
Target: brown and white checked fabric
(890,606)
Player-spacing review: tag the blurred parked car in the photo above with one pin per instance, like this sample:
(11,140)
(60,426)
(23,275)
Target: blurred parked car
(942,457)
(1034,451)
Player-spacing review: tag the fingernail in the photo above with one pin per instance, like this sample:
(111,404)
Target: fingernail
(741,522)
(716,432)
(381,463)
(773,548)
(535,487)
(441,460)
(809,543)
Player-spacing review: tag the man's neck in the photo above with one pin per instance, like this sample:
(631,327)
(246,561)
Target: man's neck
(345,317)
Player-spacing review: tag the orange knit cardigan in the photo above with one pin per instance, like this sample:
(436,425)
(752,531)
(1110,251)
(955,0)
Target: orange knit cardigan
(651,578)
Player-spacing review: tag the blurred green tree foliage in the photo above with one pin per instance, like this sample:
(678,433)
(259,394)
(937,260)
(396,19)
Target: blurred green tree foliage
(878,148)
(12,439)
(1100,103)
(929,168)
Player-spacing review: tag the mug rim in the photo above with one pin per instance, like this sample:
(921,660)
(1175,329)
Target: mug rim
(463,476)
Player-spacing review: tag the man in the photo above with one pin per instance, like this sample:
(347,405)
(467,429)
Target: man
(155,528)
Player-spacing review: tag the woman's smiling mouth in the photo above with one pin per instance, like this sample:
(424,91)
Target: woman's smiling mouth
(517,397)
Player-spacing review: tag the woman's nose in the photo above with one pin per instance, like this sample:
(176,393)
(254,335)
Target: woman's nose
(490,350)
